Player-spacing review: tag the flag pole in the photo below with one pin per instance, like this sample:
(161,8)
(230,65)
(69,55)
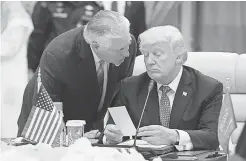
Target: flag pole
(228,83)
(39,79)
(227,121)
(228,151)
(228,88)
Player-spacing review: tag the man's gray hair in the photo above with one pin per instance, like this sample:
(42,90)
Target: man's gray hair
(106,24)
(165,34)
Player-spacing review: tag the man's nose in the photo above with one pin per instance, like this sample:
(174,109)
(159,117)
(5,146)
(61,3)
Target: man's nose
(150,60)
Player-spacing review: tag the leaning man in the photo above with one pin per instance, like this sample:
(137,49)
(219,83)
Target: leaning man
(184,104)
(82,67)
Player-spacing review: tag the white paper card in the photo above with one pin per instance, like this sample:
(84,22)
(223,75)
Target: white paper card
(122,120)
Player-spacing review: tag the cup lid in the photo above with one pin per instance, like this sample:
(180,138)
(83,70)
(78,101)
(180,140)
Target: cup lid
(75,123)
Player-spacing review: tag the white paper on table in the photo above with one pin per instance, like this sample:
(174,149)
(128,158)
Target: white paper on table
(122,120)
(143,144)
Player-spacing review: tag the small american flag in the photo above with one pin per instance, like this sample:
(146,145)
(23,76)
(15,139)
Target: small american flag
(44,122)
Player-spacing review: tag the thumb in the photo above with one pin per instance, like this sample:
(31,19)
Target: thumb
(98,134)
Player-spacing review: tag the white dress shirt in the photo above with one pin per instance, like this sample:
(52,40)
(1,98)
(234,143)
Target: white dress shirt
(97,60)
(120,6)
(184,142)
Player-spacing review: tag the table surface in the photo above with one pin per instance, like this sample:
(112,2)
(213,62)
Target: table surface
(58,153)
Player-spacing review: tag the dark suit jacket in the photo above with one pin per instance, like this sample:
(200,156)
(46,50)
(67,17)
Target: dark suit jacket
(241,143)
(196,113)
(68,73)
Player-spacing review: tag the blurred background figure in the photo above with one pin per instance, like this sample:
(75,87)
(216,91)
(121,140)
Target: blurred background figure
(206,25)
(134,11)
(160,13)
(16,25)
(29,6)
(51,19)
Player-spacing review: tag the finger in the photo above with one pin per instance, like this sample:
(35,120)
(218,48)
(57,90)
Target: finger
(113,136)
(98,134)
(93,141)
(113,129)
(147,133)
(91,134)
(150,128)
(150,140)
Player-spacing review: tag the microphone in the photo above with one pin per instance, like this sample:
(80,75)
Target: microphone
(151,85)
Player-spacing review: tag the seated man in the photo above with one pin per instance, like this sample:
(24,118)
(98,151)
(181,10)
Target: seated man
(184,104)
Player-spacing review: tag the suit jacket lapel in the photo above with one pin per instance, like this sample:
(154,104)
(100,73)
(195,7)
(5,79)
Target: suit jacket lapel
(152,106)
(182,98)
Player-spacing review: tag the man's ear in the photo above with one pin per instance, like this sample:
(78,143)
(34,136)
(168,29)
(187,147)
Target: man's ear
(95,46)
(179,59)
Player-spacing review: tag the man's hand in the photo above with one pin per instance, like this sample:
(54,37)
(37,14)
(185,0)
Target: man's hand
(158,135)
(113,135)
(93,134)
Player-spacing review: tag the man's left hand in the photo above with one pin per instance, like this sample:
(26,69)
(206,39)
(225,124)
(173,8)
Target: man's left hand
(158,135)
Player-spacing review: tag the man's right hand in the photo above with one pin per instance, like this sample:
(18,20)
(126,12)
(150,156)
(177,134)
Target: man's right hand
(93,134)
(113,134)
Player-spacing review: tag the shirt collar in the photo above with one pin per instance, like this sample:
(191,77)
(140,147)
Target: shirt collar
(96,59)
(174,84)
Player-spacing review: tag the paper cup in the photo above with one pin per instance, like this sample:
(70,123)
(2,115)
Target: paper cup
(75,130)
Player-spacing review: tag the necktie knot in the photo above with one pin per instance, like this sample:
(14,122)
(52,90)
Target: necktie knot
(165,89)
(101,63)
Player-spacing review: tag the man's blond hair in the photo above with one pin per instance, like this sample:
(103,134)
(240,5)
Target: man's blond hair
(165,34)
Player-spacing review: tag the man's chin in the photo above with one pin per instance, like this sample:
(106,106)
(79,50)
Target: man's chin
(153,75)
(118,63)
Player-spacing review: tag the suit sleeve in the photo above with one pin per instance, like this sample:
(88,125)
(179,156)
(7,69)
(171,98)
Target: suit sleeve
(51,80)
(28,99)
(241,144)
(133,52)
(41,18)
(205,137)
(128,68)
(120,98)
(119,101)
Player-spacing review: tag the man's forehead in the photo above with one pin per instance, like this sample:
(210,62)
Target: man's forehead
(156,45)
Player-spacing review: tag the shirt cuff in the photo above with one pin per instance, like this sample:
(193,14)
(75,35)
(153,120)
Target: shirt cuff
(184,141)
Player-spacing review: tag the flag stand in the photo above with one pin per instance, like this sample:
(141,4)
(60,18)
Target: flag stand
(227,122)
